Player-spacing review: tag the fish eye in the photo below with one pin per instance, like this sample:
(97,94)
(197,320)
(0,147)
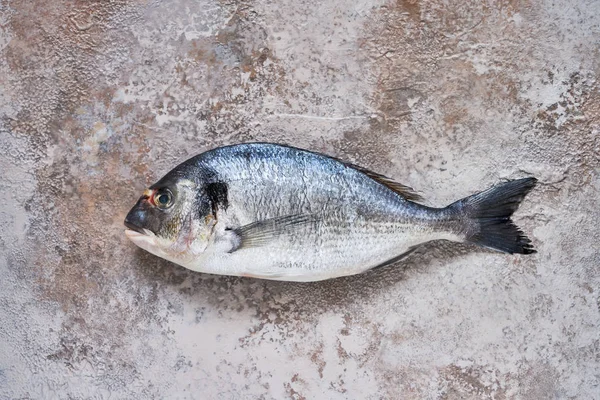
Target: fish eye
(163,199)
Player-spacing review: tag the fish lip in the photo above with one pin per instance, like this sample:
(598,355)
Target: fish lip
(132,227)
(139,233)
(133,233)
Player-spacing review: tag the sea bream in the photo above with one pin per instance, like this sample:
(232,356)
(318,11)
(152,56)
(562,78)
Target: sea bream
(276,212)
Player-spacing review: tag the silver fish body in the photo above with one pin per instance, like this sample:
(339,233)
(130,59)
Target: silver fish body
(276,212)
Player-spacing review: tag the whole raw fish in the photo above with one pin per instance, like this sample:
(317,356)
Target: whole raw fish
(277,212)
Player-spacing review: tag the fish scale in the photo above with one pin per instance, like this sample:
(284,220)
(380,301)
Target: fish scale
(277,212)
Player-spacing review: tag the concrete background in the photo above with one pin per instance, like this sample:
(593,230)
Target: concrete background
(99,99)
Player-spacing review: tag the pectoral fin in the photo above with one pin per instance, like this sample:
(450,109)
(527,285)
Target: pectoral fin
(260,233)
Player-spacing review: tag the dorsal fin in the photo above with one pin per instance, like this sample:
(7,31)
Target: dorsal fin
(405,191)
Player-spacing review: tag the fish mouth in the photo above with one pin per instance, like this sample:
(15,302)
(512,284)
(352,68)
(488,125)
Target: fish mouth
(144,239)
(139,233)
(131,227)
(134,234)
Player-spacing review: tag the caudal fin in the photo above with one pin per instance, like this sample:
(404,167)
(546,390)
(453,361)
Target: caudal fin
(488,222)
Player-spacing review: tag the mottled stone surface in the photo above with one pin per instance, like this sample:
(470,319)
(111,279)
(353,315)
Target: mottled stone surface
(100,98)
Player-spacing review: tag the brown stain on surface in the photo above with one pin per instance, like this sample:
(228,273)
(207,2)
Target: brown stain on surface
(412,7)
(465,383)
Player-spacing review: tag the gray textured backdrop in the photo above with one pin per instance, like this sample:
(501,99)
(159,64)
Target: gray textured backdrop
(99,99)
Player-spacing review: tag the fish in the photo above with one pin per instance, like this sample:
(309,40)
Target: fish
(277,212)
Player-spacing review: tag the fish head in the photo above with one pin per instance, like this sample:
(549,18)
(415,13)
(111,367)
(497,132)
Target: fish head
(171,220)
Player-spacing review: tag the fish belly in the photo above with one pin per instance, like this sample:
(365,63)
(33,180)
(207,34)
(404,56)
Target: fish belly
(316,256)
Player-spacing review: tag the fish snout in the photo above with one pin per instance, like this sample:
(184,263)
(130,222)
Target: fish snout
(137,218)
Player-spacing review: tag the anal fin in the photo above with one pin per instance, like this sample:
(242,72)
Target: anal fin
(397,258)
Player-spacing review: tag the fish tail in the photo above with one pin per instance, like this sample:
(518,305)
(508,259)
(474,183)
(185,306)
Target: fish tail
(488,213)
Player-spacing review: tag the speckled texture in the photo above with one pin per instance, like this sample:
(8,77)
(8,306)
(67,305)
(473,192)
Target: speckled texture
(99,99)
